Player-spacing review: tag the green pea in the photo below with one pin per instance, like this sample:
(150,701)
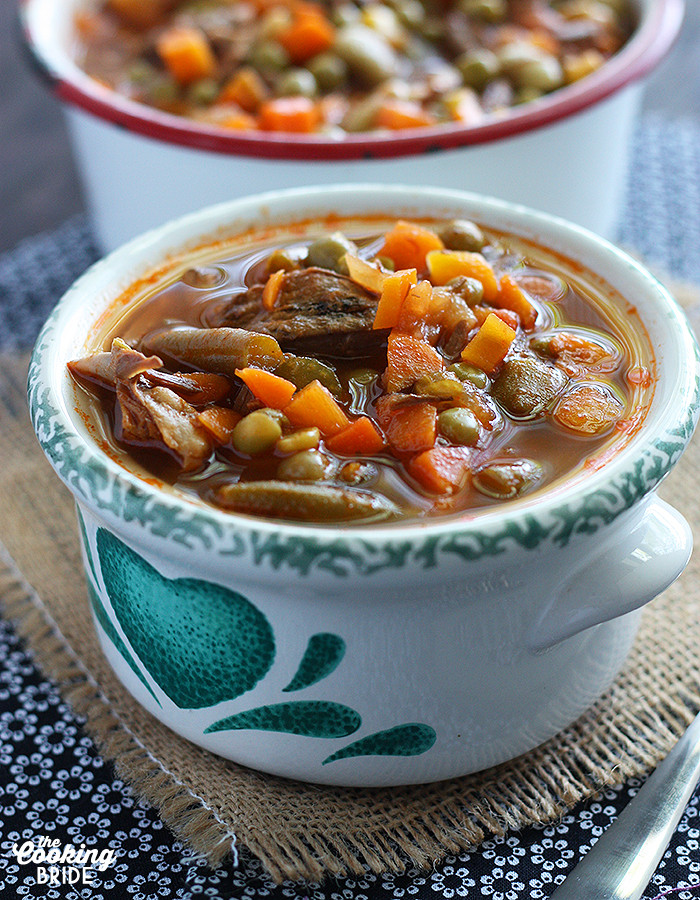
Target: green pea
(268,57)
(256,433)
(504,480)
(307,465)
(516,54)
(141,72)
(542,345)
(277,415)
(438,385)
(330,71)
(471,290)
(478,67)
(527,95)
(361,115)
(466,372)
(370,58)
(329,252)
(203,92)
(163,91)
(304,439)
(544,75)
(296,82)
(459,425)
(461,234)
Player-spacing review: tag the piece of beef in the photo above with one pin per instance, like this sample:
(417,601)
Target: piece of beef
(158,417)
(317,312)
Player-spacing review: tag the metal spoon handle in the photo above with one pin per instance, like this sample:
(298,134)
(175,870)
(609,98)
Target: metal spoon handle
(620,864)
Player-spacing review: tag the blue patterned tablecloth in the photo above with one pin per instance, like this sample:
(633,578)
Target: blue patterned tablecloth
(53,781)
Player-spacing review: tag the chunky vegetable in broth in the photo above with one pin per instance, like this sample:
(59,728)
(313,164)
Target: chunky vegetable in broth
(430,369)
(346,65)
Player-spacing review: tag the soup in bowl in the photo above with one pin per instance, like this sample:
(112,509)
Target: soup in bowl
(366,475)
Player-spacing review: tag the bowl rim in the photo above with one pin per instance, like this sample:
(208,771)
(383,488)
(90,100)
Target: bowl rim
(576,505)
(656,32)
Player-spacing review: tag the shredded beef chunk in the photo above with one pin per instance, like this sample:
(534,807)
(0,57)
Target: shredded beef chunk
(316,311)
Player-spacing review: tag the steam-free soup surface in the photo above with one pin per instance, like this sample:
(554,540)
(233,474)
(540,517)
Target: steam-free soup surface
(422,371)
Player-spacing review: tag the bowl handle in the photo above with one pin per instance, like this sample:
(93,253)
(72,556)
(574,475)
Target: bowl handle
(618,579)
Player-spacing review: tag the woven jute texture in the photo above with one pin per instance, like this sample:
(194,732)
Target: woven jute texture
(306,832)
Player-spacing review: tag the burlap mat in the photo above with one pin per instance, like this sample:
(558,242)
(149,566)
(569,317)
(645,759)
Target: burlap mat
(305,831)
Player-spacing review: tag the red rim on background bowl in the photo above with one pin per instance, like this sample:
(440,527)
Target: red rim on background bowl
(658,26)
(566,154)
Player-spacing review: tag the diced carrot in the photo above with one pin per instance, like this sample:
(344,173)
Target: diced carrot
(408,244)
(309,34)
(414,311)
(360,437)
(298,115)
(315,406)
(444,265)
(397,114)
(410,426)
(270,389)
(489,346)
(219,422)
(408,358)
(395,289)
(272,288)
(441,470)
(186,53)
(245,88)
(512,296)
(367,275)
(506,315)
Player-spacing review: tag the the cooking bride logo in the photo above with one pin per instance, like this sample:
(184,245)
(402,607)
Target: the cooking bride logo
(57,864)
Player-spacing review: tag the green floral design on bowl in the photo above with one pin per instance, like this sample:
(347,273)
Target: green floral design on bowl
(201,642)
(322,656)
(411,739)
(204,644)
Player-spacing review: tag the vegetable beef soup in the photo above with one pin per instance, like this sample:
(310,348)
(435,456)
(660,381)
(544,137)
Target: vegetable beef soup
(338,67)
(381,372)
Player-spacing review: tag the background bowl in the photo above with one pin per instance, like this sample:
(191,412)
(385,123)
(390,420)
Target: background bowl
(370,655)
(565,154)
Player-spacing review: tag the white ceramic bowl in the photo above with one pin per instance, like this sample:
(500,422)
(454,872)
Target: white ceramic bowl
(565,154)
(370,655)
